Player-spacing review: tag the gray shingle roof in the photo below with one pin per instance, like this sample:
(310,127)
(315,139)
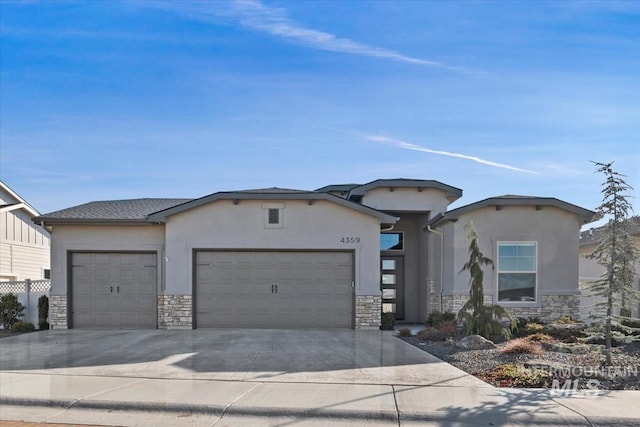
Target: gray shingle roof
(594,235)
(133,210)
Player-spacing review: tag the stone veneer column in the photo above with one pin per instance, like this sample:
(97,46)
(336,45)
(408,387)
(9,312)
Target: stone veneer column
(432,297)
(368,311)
(58,312)
(175,312)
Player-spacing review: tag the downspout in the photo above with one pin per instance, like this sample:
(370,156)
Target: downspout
(441,234)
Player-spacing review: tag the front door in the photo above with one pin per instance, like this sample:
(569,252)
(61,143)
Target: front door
(392,285)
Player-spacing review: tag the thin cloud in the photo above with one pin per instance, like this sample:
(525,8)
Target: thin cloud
(255,15)
(408,146)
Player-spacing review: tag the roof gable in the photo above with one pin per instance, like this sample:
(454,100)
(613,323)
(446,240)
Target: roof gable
(19,203)
(453,193)
(513,200)
(270,194)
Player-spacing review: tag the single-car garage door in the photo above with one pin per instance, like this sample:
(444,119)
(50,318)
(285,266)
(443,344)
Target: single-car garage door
(274,289)
(113,290)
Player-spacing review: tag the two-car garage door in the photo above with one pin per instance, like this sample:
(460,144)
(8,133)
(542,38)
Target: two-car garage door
(113,290)
(273,289)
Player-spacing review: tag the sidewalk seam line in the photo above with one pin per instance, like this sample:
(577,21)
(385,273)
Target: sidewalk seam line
(224,411)
(574,411)
(395,401)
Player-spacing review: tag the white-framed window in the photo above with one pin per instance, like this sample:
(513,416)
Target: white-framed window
(517,272)
(273,215)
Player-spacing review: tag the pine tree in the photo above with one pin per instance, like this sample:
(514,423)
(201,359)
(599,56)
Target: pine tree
(616,252)
(478,318)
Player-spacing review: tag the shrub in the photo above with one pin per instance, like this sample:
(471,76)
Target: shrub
(388,321)
(10,310)
(23,327)
(540,337)
(565,320)
(405,332)
(43,312)
(436,318)
(522,346)
(511,375)
(444,331)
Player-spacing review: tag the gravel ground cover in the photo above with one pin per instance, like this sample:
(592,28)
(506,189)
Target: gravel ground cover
(625,375)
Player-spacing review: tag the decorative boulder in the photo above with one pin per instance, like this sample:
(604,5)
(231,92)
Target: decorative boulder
(475,342)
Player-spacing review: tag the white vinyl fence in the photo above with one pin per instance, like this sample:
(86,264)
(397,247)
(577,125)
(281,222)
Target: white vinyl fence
(28,293)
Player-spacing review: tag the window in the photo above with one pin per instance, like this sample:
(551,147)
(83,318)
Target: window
(273,215)
(47,273)
(517,271)
(391,242)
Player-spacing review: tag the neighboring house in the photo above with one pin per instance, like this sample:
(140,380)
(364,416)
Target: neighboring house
(24,246)
(591,270)
(334,257)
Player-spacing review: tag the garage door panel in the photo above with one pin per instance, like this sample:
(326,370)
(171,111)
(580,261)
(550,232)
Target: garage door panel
(235,289)
(114,290)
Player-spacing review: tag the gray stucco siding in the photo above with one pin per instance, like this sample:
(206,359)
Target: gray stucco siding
(321,225)
(554,230)
(406,199)
(97,238)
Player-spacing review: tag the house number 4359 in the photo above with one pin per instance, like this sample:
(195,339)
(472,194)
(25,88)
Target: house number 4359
(351,239)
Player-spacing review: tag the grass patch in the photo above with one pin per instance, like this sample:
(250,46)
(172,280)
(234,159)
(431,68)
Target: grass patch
(522,346)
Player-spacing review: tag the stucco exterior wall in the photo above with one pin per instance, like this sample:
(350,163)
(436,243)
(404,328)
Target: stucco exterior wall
(66,238)
(407,199)
(555,231)
(225,225)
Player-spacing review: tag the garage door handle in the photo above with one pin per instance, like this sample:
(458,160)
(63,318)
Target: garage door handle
(276,289)
(271,288)
(118,289)
(111,290)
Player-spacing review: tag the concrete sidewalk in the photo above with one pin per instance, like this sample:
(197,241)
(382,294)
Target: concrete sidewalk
(123,401)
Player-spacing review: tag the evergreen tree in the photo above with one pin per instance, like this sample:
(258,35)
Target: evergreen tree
(616,252)
(478,318)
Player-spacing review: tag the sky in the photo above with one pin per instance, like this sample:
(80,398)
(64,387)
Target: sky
(117,100)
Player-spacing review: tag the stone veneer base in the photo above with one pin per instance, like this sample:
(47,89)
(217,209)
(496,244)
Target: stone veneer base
(175,312)
(552,308)
(368,311)
(58,317)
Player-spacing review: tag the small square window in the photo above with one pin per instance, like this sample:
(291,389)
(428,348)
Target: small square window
(388,279)
(47,273)
(274,216)
(388,264)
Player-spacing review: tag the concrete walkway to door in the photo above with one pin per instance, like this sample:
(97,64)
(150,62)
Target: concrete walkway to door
(265,377)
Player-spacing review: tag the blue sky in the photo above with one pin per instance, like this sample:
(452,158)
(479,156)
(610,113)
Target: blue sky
(115,100)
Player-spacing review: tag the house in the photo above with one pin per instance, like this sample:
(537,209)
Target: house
(24,246)
(590,270)
(334,257)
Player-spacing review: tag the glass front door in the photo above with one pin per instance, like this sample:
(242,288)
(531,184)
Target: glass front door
(392,285)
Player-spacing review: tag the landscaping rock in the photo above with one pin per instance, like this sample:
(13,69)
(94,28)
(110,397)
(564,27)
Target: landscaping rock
(565,331)
(475,342)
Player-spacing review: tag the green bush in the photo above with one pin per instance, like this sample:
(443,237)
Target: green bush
(10,310)
(388,322)
(43,312)
(405,332)
(23,327)
(436,318)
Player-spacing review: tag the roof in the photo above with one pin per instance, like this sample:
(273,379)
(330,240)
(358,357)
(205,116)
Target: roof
(110,211)
(337,188)
(453,193)
(19,201)
(271,194)
(594,235)
(513,200)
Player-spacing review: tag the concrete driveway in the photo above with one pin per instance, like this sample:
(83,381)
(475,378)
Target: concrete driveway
(266,378)
(317,356)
